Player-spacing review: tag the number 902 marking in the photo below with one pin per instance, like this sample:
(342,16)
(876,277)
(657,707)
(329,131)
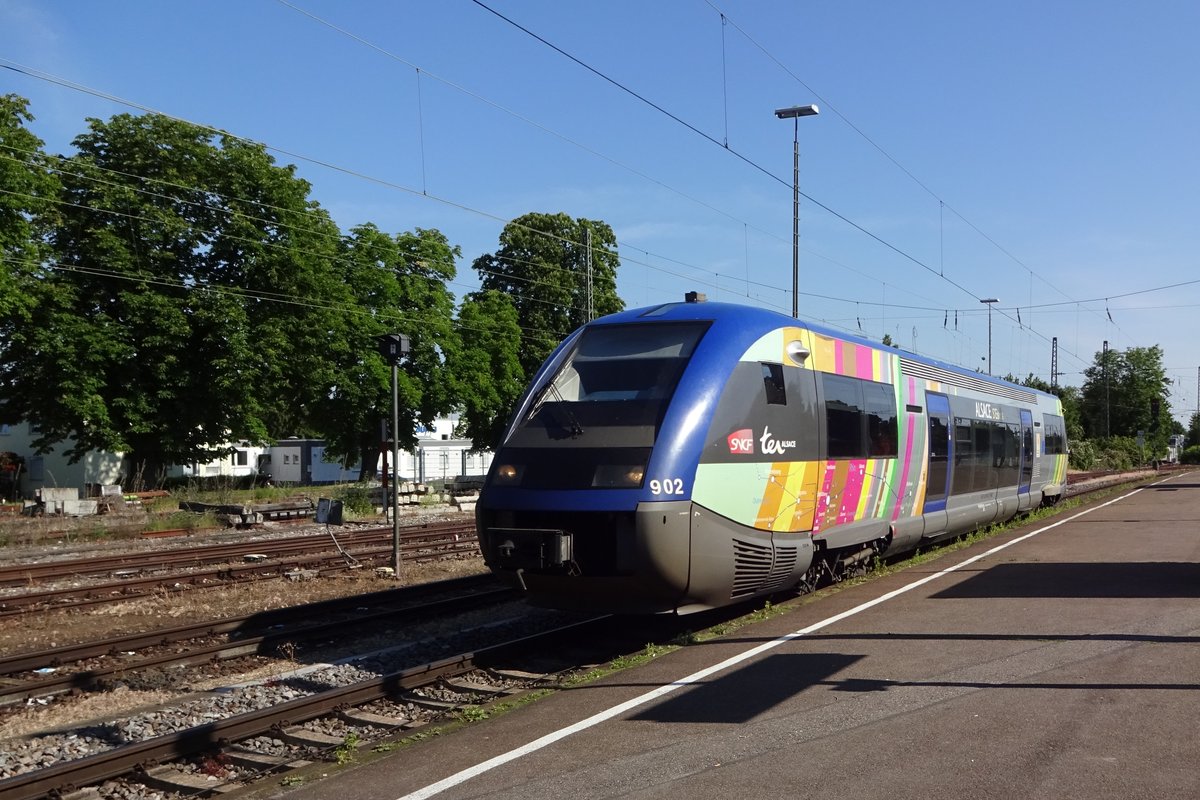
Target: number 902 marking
(668,486)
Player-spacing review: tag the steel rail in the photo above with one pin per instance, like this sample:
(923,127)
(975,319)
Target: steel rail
(423,546)
(65,777)
(18,574)
(257,645)
(261,620)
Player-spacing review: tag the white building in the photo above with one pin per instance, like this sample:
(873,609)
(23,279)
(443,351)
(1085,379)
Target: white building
(437,457)
(54,470)
(242,462)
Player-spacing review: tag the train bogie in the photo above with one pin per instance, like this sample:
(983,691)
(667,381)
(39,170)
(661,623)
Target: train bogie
(691,455)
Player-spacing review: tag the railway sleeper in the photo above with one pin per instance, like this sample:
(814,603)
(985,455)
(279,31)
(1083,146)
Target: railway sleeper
(166,778)
(357,716)
(262,762)
(305,737)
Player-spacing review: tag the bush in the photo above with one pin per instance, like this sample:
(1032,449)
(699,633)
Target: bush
(1191,455)
(1112,453)
(357,500)
(1083,455)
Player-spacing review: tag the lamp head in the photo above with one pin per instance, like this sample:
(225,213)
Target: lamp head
(797,111)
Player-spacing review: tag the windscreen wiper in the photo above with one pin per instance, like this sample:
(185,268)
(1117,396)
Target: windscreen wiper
(572,426)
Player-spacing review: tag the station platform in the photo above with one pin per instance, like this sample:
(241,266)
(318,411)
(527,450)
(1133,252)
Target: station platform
(1057,661)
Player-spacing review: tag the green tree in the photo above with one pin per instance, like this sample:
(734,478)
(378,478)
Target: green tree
(26,211)
(398,285)
(1125,392)
(279,248)
(1072,411)
(1193,430)
(192,301)
(544,264)
(488,368)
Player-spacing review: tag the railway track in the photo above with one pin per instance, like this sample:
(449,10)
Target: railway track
(384,702)
(91,665)
(200,555)
(140,574)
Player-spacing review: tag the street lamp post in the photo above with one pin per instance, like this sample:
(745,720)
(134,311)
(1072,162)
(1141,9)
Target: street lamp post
(394,347)
(794,113)
(989,302)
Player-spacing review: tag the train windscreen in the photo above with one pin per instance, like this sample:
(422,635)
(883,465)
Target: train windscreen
(617,382)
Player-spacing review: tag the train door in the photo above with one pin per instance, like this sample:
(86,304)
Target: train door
(1027,456)
(938,465)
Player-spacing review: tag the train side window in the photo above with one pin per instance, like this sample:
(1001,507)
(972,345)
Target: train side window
(773,383)
(843,416)
(1006,452)
(1054,438)
(880,401)
(964,456)
(939,456)
(985,473)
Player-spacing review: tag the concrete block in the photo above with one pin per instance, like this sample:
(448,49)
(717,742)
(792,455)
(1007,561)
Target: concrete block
(79,508)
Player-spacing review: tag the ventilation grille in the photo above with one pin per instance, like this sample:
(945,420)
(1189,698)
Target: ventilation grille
(756,569)
(785,562)
(931,373)
(751,567)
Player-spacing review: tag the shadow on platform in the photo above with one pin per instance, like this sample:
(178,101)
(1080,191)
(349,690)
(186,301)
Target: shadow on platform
(743,694)
(1099,580)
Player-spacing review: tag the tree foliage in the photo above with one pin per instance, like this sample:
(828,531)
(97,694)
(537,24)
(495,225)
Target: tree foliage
(1125,392)
(488,368)
(182,312)
(398,285)
(26,211)
(546,266)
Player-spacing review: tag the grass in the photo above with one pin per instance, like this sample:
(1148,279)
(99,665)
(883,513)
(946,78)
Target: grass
(185,520)
(347,752)
(163,513)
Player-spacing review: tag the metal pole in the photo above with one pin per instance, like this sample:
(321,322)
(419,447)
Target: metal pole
(989,338)
(1107,418)
(794,114)
(795,217)
(591,313)
(1054,362)
(989,301)
(395,471)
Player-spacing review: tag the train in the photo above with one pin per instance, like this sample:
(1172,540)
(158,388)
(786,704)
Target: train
(693,455)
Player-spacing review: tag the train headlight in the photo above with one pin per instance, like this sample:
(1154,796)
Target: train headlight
(508,474)
(618,476)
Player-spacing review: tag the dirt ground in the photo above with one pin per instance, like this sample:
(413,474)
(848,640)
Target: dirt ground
(24,539)
(29,632)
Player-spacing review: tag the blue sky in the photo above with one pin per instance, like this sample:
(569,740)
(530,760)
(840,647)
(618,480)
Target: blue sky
(1039,153)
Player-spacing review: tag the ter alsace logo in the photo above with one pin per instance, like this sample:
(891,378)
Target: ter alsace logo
(741,443)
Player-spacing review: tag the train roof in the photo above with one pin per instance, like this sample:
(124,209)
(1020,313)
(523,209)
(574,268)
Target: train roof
(752,318)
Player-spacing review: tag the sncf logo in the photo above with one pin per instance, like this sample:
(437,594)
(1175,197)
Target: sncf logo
(742,442)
